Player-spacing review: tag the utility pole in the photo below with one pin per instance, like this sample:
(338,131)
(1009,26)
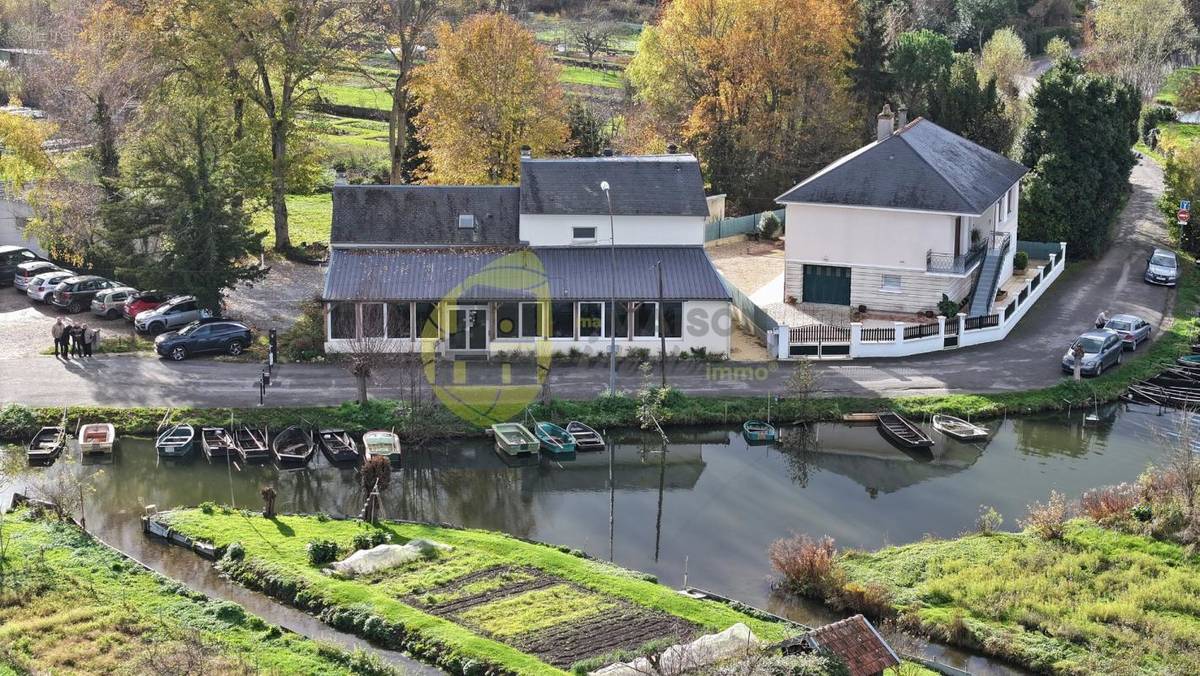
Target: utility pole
(662,334)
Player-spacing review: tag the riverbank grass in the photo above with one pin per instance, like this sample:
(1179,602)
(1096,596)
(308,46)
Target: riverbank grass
(1098,601)
(488,600)
(70,605)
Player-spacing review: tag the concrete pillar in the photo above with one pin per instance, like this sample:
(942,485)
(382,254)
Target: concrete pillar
(899,326)
(941,326)
(855,338)
(962,323)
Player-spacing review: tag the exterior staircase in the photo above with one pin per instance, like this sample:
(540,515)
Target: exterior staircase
(989,276)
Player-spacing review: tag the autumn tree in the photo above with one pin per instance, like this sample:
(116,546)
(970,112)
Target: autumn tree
(1003,59)
(22,158)
(1135,40)
(757,90)
(487,90)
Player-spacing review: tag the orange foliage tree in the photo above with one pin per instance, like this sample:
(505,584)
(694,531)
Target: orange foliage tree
(487,90)
(758,89)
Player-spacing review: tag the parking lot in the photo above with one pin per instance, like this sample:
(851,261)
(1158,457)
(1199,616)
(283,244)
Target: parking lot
(25,324)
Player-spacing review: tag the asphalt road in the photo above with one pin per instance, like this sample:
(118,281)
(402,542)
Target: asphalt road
(1029,358)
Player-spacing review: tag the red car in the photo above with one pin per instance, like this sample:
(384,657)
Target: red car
(142,301)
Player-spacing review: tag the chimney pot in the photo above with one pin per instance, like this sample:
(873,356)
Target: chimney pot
(607,152)
(901,116)
(672,149)
(884,123)
(526,152)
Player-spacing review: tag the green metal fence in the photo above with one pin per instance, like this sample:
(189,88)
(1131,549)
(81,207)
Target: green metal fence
(742,225)
(762,322)
(1039,250)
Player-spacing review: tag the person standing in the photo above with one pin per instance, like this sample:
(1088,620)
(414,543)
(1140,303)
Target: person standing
(94,344)
(57,331)
(76,340)
(1078,353)
(85,340)
(1101,319)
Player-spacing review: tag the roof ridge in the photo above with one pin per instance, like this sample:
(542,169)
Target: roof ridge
(913,125)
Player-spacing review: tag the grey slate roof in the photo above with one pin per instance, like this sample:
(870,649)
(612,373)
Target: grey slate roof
(424,214)
(646,185)
(922,167)
(510,273)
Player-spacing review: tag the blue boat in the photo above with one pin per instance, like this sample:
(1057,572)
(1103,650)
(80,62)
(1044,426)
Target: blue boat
(757,432)
(176,441)
(554,439)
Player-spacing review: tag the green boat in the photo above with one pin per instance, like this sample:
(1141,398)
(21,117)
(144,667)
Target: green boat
(514,439)
(554,438)
(1189,360)
(757,432)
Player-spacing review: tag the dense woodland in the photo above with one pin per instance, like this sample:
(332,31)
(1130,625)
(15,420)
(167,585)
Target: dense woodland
(212,130)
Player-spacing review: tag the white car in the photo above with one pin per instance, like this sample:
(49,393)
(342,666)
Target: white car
(41,287)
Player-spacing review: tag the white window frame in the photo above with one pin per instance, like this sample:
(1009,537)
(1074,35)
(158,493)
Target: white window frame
(578,319)
(387,320)
(575,233)
(898,287)
(633,320)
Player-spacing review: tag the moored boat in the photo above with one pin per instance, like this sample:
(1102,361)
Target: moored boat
(958,428)
(337,445)
(861,417)
(46,445)
(514,439)
(586,438)
(216,442)
(251,443)
(758,432)
(382,444)
(293,446)
(1192,360)
(898,429)
(97,438)
(553,438)
(176,441)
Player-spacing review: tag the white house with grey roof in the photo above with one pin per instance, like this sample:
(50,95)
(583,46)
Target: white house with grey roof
(919,213)
(477,270)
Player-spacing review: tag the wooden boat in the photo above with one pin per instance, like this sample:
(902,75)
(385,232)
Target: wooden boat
(514,439)
(337,445)
(176,441)
(382,444)
(553,438)
(1192,360)
(958,428)
(859,417)
(899,430)
(217,442)
(97,438)
(47,444)
(293,446)
(758,432)
(251,443)
(586,438)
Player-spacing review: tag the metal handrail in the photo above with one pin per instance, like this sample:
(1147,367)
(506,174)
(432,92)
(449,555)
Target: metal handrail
(961,264)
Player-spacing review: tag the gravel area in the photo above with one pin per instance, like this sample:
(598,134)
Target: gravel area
(747,264)
(274,301)
(25,324)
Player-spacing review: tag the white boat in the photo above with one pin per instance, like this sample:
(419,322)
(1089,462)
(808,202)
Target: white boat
(958,428)
(382,444)
(97,438)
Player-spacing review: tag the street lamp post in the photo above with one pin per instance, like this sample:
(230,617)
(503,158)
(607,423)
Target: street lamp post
(612,321)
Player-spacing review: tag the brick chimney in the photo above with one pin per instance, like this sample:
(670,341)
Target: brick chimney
(885,123)
(901,116)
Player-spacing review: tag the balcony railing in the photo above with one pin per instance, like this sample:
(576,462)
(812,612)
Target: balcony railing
(962,264)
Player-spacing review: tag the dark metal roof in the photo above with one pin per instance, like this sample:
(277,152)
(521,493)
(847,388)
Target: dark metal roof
(499,273)
(647,185)
(922,167)
(424,214)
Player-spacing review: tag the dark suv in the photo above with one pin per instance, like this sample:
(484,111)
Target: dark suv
(206,335)
(75,294)
(10,258)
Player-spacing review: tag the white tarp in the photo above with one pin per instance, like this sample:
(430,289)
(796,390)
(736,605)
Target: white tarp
(385,556)
(733,643)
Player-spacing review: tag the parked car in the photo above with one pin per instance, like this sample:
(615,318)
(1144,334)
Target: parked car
(110,302)
(29,270)
(1101,348)
(212,335)
(42,286)
(176,312)
(12,256)
(144,300)
(76,293)
(1132,329)
(1162,268)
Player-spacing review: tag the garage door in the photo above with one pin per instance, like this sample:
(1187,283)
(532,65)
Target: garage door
(826,284)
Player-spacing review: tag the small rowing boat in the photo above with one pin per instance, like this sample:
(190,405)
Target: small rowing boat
(758,432)
(337,445)
(46,445)
(514,439)
(382,444)
(586,438)
(251,443)
(554,439)
(293,446)
(176,441)
(895,427)
(1192,360)
(958,428)
(859,417)
(216,442)
(97,438)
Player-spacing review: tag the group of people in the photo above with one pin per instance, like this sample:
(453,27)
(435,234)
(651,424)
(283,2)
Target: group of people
(74,340)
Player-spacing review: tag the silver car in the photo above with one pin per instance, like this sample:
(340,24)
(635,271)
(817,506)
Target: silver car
(41,287)
(27,271)
(110,302)
(1162,268)
(1101,348)
(174,313)
(1133,329)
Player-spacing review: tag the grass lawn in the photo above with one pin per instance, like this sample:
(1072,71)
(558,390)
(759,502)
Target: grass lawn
(73,606)
(359,95)
(310,218)
(492,599)
(1174,81)
(1099,601)
(580,75)
(1177,135)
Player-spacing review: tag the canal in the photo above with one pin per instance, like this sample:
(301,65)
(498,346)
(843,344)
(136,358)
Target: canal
(702,513)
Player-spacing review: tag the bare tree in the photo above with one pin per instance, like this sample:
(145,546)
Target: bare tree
(376,477)
(593,31)
(367,347)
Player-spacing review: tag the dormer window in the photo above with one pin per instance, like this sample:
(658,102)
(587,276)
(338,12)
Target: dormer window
(466,221)
(583,234)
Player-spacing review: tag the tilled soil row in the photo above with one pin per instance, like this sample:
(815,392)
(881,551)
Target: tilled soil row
(468,602)
(625,628)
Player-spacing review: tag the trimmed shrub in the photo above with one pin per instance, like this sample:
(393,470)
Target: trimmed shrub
(235,551)
(769,226)
(368,540)
(947,307)
(1020,260)
(322,551)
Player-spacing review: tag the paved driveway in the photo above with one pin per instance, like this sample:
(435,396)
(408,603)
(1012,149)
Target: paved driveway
(1029,358)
